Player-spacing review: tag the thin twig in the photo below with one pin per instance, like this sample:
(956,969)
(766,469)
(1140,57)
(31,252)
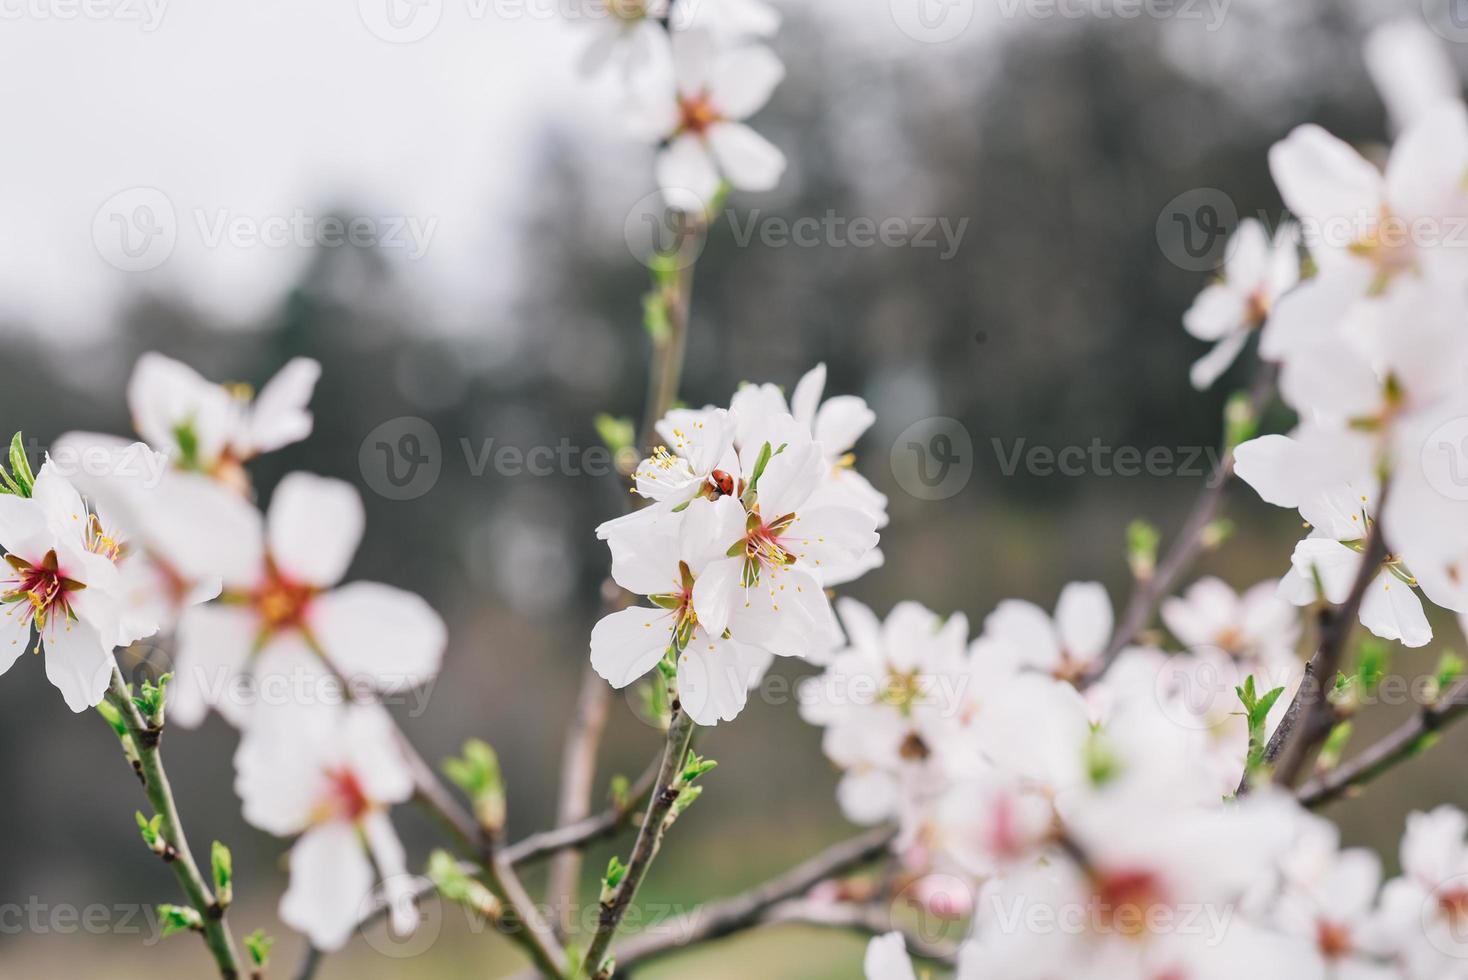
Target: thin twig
(1308,719)
(649,839)
(146,741)
(1189,541)
(580,834)
(578,759)
(714,920)
(1403,743)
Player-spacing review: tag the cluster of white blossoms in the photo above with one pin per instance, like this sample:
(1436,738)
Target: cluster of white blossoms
(691,74)
(116,541)
(753,511)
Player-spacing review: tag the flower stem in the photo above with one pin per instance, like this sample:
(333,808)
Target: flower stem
(145,739)
(649,840)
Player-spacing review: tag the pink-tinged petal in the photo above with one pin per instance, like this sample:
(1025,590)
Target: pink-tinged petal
(279,416)
(378,633)
(79,662)
(627,644)
(1027,630)
(714,677)
(788,614)
(1392,611)
(1322,178)
(687,175)
(214,645)
(748,161)
(399,887)
(1410,67)
(742,80)
(313,527)
(1210,367)
(806,398)
(330,887)
(1083,619)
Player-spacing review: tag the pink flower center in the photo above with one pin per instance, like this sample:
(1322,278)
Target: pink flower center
(697,114)
(345,797)
(282,602)
(40,593)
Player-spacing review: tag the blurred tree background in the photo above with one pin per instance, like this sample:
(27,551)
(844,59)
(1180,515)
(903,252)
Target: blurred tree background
(1056,322)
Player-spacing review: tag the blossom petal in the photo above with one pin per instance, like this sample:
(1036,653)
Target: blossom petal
(79,662)
(386,634)
(279,416)
(1321,177)
(214,645)
(330,887)
(687,174)
(1208,368)
(743,79)
(747,160)
(1083,620)
(1392,611)
(628,643)
(313,527)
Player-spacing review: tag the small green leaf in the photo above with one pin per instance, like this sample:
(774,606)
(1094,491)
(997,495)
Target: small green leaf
(222,863)
(179,918)
(1240,422)
(477,773)
(695,766)
(1142,540)
(259,945)
(456,885)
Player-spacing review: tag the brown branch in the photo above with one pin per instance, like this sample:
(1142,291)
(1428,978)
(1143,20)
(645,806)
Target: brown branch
(578,759)
(1189,542)
(578,835)
(1402,743)
(649,839)
(754,907)
(1309,718)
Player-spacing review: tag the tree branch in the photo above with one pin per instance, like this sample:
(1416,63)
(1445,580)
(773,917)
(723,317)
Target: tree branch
(754,907)
(649,839)
(578,835)
(149,766)
(578,759)
(1188,543)
(1307,721)
(1403,743)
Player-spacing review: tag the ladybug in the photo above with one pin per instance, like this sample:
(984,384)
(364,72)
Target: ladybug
(723,482)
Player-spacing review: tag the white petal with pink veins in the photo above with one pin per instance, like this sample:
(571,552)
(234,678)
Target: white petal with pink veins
(628,643)
(378,632)
(821,537)
(313,527)
(373,749)
(330,886)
